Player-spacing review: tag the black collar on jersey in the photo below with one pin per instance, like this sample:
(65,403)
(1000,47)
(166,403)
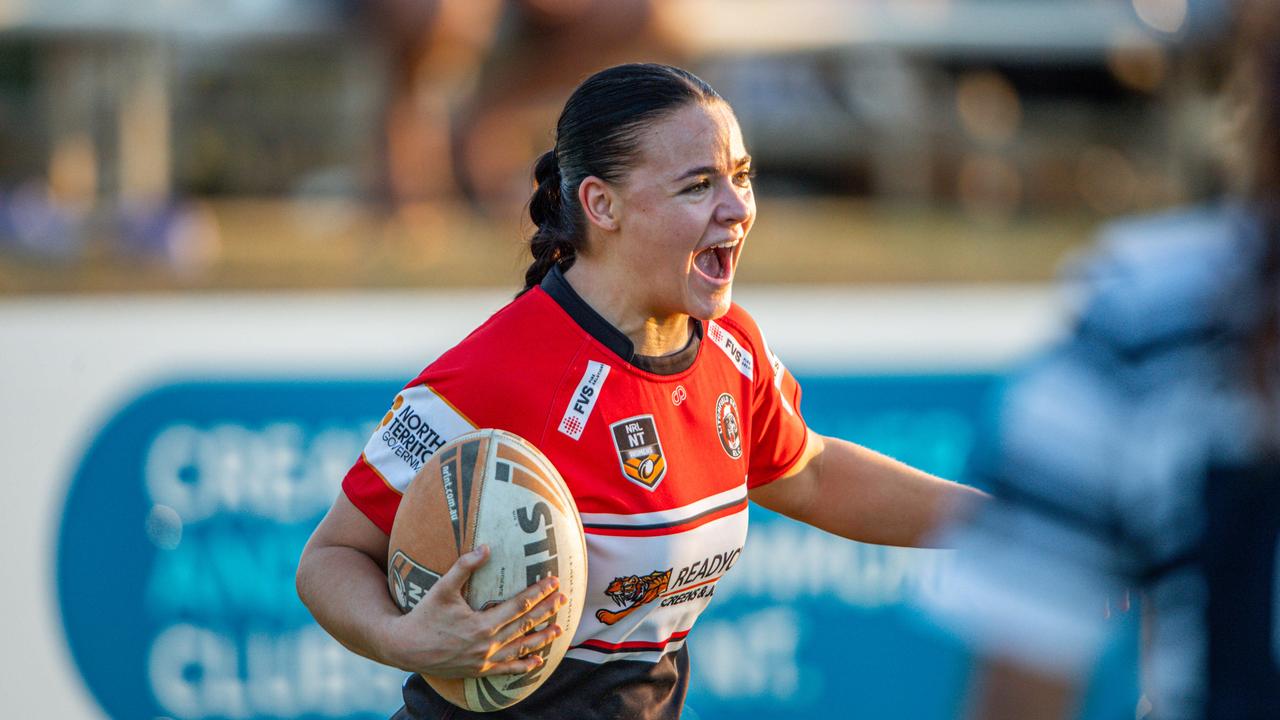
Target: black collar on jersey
(611,337)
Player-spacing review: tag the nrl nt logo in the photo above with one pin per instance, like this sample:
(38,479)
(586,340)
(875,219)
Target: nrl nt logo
(639,450)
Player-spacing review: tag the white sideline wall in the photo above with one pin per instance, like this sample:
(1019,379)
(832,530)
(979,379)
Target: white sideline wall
(68,364)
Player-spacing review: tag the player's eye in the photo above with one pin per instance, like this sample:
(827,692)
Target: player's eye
(700,186)
(743,178)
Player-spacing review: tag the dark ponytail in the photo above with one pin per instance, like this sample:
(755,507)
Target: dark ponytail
(598,134)
(554,241)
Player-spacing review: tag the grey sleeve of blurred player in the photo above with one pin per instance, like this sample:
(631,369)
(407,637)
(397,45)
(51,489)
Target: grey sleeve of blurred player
(1034,569)
(1097,449)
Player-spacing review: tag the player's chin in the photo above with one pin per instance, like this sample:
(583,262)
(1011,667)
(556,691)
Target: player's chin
(709,304)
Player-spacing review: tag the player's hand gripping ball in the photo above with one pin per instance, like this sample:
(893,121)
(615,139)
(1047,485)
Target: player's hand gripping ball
(491,487)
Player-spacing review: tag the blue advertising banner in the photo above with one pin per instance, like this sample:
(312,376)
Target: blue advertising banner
(182,527)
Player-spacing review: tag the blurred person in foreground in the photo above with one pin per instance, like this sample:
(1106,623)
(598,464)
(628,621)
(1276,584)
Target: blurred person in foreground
(1143,453)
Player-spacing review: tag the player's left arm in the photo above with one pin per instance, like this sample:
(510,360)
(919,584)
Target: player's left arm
(858,493)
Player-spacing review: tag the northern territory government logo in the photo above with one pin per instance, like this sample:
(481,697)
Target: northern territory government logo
(418,424)
(727,425)
(639,450)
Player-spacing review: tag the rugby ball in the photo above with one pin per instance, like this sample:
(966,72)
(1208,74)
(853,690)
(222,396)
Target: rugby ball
(491,487)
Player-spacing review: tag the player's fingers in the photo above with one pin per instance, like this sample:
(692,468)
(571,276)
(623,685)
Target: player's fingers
(513,667)
(541,613)
(499,616)
(526,645)
(452,582)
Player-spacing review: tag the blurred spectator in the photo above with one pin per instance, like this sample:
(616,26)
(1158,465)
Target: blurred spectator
(433,48)
(473,84)
(182,236)
(1144,452)
(547,47)
(34,223)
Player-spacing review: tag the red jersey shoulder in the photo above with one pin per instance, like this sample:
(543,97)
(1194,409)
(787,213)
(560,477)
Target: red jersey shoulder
(738,336)
(505,373)
(778,431)
(740,319)
(530,332)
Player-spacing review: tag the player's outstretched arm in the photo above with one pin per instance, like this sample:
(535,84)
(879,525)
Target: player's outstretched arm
(342,581)
(860,494)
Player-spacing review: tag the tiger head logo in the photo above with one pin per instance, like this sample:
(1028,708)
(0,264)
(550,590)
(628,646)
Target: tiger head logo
(631,592)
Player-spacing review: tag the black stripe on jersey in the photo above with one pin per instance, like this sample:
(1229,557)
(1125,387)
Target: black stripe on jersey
(671,523)
(580,689)
(1148,349)
(1127,556)
(1097,523)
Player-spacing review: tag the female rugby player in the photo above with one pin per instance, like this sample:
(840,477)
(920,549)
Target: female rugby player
(642,209)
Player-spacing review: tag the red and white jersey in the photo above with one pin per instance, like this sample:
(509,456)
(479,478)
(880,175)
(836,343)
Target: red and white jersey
(658,452)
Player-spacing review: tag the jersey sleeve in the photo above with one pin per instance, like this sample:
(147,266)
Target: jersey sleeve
(778,431)
(472,385)
(1096,447)
(1036,567)
(419,422)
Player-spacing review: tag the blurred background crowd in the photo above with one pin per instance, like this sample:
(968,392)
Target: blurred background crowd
(230,144)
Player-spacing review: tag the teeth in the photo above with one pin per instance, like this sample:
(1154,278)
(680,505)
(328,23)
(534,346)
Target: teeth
(726,244)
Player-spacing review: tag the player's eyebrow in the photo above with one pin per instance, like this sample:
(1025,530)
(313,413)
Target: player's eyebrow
(711,169)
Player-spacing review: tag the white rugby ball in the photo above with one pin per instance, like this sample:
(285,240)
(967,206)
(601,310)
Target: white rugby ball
(491,487)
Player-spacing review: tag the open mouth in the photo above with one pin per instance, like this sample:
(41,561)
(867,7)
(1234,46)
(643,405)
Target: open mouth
(716,262)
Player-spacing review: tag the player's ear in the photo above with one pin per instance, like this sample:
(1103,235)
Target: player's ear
(599,203)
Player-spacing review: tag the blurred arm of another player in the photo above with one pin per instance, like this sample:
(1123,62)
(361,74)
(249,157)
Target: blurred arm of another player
(858,493)
(1012,690)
